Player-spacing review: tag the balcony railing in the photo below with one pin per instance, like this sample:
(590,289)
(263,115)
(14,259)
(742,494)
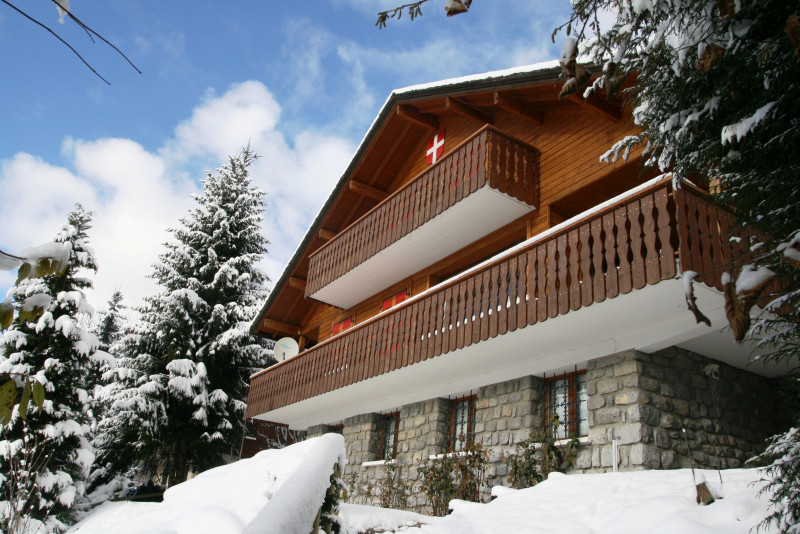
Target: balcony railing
(488,159)
(609,252)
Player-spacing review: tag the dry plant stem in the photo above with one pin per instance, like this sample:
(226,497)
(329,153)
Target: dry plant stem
(91,32)
(18,10)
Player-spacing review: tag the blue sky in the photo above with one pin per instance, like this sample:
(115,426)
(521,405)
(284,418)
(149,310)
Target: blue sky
(300,81)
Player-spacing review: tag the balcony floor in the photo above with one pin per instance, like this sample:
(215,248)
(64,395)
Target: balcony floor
(648,319)
(443,235)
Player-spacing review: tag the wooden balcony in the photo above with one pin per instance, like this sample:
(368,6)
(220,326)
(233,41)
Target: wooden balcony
(597,268)
(428,219)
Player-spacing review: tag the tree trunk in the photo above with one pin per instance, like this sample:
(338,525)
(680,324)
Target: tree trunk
(179,465)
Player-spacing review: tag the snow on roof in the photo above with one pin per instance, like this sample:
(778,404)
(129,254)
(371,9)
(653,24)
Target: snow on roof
(486,76)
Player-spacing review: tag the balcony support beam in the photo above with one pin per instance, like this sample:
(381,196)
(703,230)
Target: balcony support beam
(326,235)
(410,113)
(278,326)
(452,104)
(368,191)
(518,108)
(598,105)
(297,283)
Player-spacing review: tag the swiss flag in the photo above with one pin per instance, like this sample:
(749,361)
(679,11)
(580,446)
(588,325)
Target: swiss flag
(435,148)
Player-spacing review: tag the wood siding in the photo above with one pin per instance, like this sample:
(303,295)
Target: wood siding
(620,248)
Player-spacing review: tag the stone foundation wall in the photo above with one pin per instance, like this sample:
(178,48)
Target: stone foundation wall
(505,415)
(643,401)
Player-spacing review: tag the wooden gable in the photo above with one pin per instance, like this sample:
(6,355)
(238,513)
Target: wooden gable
(570,133)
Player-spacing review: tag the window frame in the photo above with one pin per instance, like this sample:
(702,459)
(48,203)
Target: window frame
(386,420)
(342,325)
(390,302)
(452,439)
(575,415)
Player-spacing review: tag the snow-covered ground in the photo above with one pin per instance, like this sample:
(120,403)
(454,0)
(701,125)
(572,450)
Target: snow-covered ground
(227,499)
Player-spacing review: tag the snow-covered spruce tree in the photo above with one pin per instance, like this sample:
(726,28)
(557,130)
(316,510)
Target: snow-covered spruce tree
(107,326)
(109,322)
(57,351)
(183,373)
(718,99)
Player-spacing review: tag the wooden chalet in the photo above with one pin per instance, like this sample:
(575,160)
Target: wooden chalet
(478,270)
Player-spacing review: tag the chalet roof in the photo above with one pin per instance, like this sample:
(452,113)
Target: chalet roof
(524,76)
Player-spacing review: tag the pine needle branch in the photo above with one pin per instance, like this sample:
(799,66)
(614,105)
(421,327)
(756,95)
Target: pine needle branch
(414,11)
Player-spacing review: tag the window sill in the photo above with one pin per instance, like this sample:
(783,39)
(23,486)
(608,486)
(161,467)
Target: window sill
(459,454)
(583,440)
(375,463)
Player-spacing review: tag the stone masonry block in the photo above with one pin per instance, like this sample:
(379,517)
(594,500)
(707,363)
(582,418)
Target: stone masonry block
(607,385)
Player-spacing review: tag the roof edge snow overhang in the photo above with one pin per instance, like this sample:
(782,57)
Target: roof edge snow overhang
(535,74)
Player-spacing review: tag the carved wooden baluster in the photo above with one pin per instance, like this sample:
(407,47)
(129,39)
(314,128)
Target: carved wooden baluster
(623,250)
(652,264)
(587,283)
(541,280)
(532,285)
(485,302)
(563,273)
(522,290)
(611,275)
(502,298)
(665,229)
(598,278)
(574,268)
(695,239)
(552,279)
(707,239)
(493,301)
(637,266)
(445,312)
(510,310)
(454,317)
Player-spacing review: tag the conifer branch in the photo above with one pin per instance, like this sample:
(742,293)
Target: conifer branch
(414,11)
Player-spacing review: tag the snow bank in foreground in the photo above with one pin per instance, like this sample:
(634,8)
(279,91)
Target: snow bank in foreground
(358,518)
(227,499)
(223,500)
(655,502)
(294,508)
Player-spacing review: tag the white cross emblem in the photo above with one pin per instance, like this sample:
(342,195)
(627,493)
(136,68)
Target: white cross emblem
(435,148)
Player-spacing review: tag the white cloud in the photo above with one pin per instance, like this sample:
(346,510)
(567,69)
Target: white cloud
(247,112)
(36,198)
(138,200)
(138,194)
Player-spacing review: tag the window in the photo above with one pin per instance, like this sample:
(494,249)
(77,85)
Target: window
(394,301)
(388,442)
(462,423)
(565,404)
(341,326)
